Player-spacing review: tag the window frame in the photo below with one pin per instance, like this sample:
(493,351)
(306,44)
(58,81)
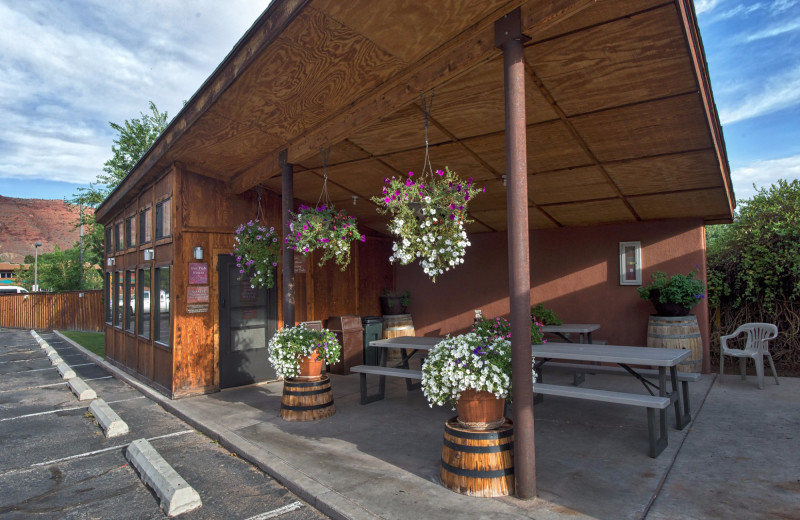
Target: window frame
(140,318)
(156,307)
(161,219)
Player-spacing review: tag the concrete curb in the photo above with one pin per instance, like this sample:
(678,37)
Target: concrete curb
(55,359)
(176,495)
(108,419)
(65,371)
(42,343)
(81,390)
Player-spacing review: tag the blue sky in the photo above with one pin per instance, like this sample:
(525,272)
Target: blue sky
(67,68)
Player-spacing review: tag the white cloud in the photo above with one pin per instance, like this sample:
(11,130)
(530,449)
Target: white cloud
(779,92)
(763,174)
(68,68)
(773,30)
(705,6)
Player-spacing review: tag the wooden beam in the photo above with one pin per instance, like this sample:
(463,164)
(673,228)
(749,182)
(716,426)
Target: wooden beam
(451,59)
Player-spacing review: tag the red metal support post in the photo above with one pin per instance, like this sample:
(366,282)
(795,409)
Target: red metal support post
(287,205)
(509,37)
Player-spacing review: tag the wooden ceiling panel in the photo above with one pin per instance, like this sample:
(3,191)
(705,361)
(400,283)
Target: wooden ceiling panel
(220,145)
(341,152)
(315,67)
(403,130)
(452,155)
(494,197)
(308,186)
(598,13)
(697,204)
(686,171)
(630,60)
(409,30)
(364,178)
(591,213)
(473,104)
(569,185)
(550,146)
(660,127)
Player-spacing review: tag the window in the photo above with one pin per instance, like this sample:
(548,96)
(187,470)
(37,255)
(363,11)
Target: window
(145,222)
(161,307)
(163,228)
(130,232)
(130,300)
(109,242)
(109,297)
(144,303)
(118,299)
(118,235)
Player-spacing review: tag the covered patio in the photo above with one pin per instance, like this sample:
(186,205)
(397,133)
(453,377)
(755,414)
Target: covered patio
(616,138)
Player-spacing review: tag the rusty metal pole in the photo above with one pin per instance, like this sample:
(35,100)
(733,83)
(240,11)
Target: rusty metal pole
(509,37)
(287,264)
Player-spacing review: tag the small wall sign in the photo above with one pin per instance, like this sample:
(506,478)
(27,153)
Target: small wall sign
(630,263)
(198,273)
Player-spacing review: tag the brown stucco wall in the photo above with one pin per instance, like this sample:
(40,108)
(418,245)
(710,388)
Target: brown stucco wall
(575,271)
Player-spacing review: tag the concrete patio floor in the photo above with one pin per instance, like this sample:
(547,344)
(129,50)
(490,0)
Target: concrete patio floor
(739,458)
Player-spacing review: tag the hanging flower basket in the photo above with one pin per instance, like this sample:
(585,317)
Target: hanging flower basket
(428,218)
(323,229)
(257,250)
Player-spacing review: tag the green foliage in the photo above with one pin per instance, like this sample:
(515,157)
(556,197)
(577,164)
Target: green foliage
(288,344)
(59,271)
(323,229)
(544,315)
(756,259)
(92,341)
(500,328)
(680,289)
(257,250)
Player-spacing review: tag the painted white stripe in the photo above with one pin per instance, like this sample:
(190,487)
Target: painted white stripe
(95,452)
(294,506)
(65,409)
(51,368)
(20,360)
(49,385)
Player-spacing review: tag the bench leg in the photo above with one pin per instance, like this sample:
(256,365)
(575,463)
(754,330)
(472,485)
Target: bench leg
(366,399)
(657,444)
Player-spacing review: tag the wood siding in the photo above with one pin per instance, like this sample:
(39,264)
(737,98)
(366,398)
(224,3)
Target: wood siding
(75,310)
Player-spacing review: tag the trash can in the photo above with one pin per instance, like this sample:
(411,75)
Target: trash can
(373,330)
(348,331)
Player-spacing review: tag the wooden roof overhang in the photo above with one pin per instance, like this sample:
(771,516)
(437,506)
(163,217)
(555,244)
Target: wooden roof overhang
(621,124)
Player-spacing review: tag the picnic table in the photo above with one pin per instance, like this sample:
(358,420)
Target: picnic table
(584,331)
(625,357)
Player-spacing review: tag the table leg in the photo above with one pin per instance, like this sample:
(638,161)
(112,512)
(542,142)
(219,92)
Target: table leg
(410,384)
(681,419)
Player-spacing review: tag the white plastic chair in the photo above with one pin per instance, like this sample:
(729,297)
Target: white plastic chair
(756,347)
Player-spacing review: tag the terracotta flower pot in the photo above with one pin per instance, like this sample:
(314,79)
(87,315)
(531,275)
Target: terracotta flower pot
(480,410)
(310,366)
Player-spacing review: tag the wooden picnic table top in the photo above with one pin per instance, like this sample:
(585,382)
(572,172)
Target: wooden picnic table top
(566,328)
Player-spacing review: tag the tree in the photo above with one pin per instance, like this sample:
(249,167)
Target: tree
(134,138)
(59,271)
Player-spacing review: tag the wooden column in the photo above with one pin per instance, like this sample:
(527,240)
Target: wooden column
(287,264)
(509,37)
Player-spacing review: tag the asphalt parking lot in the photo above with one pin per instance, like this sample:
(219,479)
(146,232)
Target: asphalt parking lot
(55,461)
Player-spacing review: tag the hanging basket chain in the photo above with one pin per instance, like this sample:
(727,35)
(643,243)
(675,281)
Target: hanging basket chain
(259,210)
(324,198)
(427,169)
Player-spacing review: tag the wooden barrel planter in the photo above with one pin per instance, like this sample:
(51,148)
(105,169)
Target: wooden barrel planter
(677,332)
(395,326)
(478,463)
(307,400)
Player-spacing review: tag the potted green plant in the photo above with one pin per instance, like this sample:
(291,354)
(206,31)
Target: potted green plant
(428,218)
(393,302)
(325,229)
(490,328)
(674,295)
(297,352)
(257,250)
(545,315)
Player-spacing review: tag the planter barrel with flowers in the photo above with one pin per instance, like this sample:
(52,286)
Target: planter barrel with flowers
(473,372)
(297,354)
(673,298)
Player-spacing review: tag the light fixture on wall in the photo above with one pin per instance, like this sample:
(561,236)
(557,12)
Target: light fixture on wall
(355,199)
(149,254)
(505,180)
(111,261)
(198,253)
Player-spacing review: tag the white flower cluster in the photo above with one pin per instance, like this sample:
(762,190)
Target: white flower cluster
(288,344)
(466,362)
(439,243)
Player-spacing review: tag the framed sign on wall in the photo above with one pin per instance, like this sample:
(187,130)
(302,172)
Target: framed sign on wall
(630,263)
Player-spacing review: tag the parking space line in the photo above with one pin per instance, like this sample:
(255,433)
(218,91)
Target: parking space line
(50,368)
(65,409)
(111,448)
(49,385)
(294,506)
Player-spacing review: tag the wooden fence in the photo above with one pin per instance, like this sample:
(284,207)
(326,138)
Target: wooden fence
(73,310)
